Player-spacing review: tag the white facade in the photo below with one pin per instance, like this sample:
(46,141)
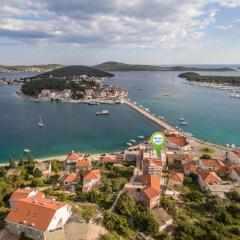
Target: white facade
(233,157)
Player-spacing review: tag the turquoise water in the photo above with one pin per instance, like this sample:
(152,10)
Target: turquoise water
(212,116)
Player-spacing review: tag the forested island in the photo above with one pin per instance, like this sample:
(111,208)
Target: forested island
(72,83)
(195,77)
(116,66)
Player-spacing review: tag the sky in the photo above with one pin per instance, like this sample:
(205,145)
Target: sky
(130,31)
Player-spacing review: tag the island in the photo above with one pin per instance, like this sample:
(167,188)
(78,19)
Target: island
(29,68)
(226,80)
(116,66)
(72,84)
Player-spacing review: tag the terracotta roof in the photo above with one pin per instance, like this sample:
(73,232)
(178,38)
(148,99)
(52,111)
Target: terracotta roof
(180,156)
(237,170)
(176,176)
(152,183)
(83,163)
(74,156)
(73,177)
(14,171)
(237,153)
(24,193)
(107,159)
(213,163)
(210,177)
(177,139)
(153,161)
(35,213)
(190,166)
(92,174)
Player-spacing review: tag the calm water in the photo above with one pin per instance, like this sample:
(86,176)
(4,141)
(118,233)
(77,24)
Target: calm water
(211,114)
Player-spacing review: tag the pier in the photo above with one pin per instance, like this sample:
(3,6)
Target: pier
(149,115)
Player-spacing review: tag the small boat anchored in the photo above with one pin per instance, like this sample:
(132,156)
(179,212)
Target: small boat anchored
(103,112)
(182,119)
(133,141)
(141,137)
(184,123)
(40,123)
(129,144)
(26,150)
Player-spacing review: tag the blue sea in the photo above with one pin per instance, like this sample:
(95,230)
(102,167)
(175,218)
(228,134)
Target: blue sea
(212,115)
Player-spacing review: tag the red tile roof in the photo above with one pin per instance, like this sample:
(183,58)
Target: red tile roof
(152,183)
(190,166)
(176,176)
(35,213)
(177,139)
(237,153)
(215,163)
(24,193)
(71,178)
(91,174)
(83,163)
(74,156)
(210,177)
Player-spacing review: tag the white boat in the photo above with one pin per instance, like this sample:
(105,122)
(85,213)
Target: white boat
(141,137)
(40,123)
(227,145)
(184,123)
(181,118)
(26,150)
(162,117)
(132,140)
(129,144)
(233,146)
(103,112)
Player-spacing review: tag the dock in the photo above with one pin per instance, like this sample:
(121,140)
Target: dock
(149,115)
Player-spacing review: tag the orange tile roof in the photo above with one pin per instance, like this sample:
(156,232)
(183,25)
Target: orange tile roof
(92,174)
(34,213)
(237,153)
(177,139)
(152,183)
(180,156)
(213,163)
(176,176)
(155,161)
(23,193)
(210,177)
(73,177)
(106,159)
(190,166)
(74,156)
(83,163)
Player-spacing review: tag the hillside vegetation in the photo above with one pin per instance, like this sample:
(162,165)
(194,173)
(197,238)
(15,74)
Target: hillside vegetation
(192,76)
(75,70)
(116,66)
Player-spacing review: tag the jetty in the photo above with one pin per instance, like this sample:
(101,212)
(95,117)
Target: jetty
(195,142)
(149,115)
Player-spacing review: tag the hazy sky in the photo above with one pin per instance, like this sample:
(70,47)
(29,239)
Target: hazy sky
(131,31)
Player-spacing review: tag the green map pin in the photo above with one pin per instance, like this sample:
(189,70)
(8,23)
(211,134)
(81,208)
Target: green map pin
(158,140)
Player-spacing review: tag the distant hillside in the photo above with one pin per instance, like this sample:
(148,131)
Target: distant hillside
(195,77)
(116,66)
(41,67)
(75,70)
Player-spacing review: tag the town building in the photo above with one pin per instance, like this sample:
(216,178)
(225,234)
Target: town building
(150,193)
(211,165)
(20,194)
(163,218)
(71,180)
(173,157)
(44,167)
(14,172)
(91,179)
(189,167)
(38,219)
(234,156)
(235,173)
(83,165)
(152,166)
(177,142)
(206,178)
(175,178)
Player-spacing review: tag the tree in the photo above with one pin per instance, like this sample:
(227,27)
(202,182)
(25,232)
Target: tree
(205,156)
(37,173)
(56,166)
(37,182)
(126,205)
(88,212)
(21,161)
(12,162)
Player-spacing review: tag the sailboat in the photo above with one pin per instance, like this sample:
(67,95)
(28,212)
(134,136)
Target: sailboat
(40,123)
(181,118)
